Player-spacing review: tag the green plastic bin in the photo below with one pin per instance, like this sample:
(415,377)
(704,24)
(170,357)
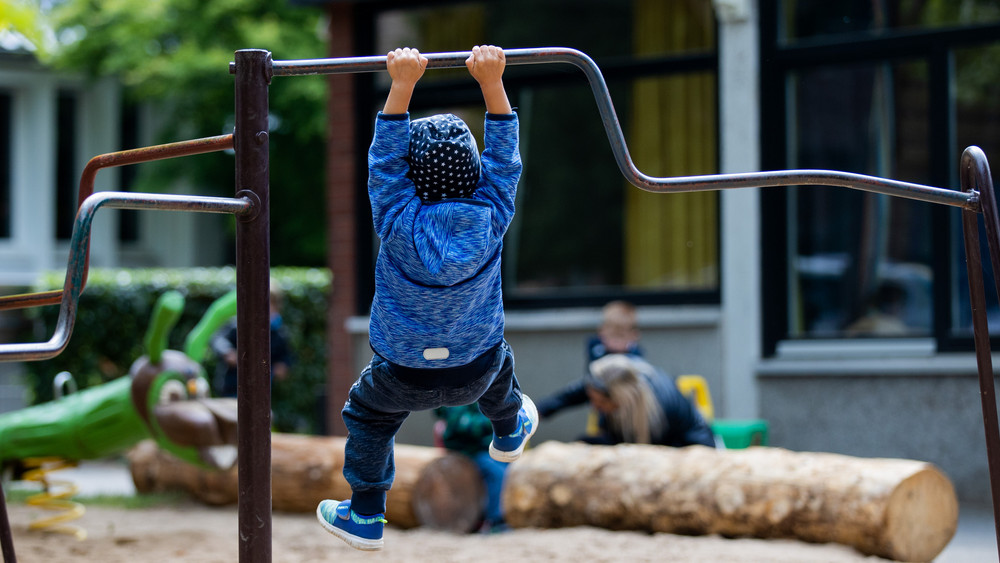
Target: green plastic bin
(739,434)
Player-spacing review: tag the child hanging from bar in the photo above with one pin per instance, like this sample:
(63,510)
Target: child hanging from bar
(437,321)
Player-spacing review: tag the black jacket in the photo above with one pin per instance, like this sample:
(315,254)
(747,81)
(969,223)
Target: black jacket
(684,424)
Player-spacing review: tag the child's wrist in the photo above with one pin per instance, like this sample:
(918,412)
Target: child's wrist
(492,89)
(403,85)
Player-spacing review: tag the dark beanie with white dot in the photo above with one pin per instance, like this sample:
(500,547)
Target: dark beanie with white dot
(444,158)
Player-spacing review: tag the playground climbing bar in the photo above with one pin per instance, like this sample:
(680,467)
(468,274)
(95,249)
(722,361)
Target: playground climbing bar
(617,138)
(253,70)
(253,258)
(133,156)
(972,199)
(974,173)
(79,243)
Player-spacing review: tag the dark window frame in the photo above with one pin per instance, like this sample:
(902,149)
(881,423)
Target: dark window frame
(6,163)
(778,59)
(129,222)
(67,174)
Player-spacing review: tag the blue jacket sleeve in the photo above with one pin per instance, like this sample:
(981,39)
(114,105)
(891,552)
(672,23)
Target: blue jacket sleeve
(389,188)
(501,169)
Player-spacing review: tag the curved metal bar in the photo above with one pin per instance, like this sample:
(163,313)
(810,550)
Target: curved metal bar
(79,243)
(6,539)
(975,176)
(87,178)
(955,198)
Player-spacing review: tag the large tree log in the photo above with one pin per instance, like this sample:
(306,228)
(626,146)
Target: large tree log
(432,488)
(899,509)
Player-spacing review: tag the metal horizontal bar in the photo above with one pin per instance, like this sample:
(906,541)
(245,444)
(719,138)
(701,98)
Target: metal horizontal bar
(920,192)
(73,286)
(455,59)
(866,46)
(87,179)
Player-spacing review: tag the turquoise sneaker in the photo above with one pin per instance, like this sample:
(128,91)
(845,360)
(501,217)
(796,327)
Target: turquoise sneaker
(508,448)
(360,532)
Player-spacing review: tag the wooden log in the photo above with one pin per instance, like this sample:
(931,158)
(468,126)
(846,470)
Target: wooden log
(307,469)
(434,500)
(898,509)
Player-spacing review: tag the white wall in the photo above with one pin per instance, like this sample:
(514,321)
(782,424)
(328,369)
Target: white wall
(31,245)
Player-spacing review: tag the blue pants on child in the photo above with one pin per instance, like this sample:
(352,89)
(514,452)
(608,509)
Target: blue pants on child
(379,402)
(493,472)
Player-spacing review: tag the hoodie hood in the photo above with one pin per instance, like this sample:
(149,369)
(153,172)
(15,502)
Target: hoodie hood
(444,158)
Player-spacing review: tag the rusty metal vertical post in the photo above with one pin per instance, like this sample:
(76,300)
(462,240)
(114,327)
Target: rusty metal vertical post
(253,337)
(975,175)
(6,538)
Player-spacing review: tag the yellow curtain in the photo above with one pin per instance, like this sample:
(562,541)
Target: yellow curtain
(452,28)
(671,240)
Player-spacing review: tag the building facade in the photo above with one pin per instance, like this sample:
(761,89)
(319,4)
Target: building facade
(51,125)
(838,316)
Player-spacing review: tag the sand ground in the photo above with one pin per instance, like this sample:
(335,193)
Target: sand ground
(197,533)
(193,532)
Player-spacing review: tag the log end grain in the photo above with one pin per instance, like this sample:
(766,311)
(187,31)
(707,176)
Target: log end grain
(921,517)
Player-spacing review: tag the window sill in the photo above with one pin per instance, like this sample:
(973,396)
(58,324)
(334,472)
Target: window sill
(587,318)
(892,357)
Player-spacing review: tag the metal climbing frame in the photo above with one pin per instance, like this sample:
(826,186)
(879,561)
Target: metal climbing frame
(254,69)
(975,180)
(245,206)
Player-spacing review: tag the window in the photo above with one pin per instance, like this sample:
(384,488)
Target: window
(6,133)
(128,225)
(67,178)
(871,99)
(582,234)
(810,20)
(860,264)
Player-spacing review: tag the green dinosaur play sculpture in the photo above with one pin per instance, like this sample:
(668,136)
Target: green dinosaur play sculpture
(165,397)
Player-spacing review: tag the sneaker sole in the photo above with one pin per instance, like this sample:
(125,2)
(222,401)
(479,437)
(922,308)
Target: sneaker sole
(507,457)
(357,542)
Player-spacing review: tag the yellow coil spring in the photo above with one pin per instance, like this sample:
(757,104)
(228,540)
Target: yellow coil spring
(55,496)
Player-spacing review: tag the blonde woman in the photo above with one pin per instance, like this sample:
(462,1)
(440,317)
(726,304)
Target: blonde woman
(636,404)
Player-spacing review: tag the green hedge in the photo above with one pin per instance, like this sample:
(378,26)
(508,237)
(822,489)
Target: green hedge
(114,312)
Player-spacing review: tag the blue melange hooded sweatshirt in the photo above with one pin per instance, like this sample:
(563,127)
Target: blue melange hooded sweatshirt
(438,300)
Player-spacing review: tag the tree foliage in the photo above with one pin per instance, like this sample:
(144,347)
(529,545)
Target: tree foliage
(175,54)
(23,18)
